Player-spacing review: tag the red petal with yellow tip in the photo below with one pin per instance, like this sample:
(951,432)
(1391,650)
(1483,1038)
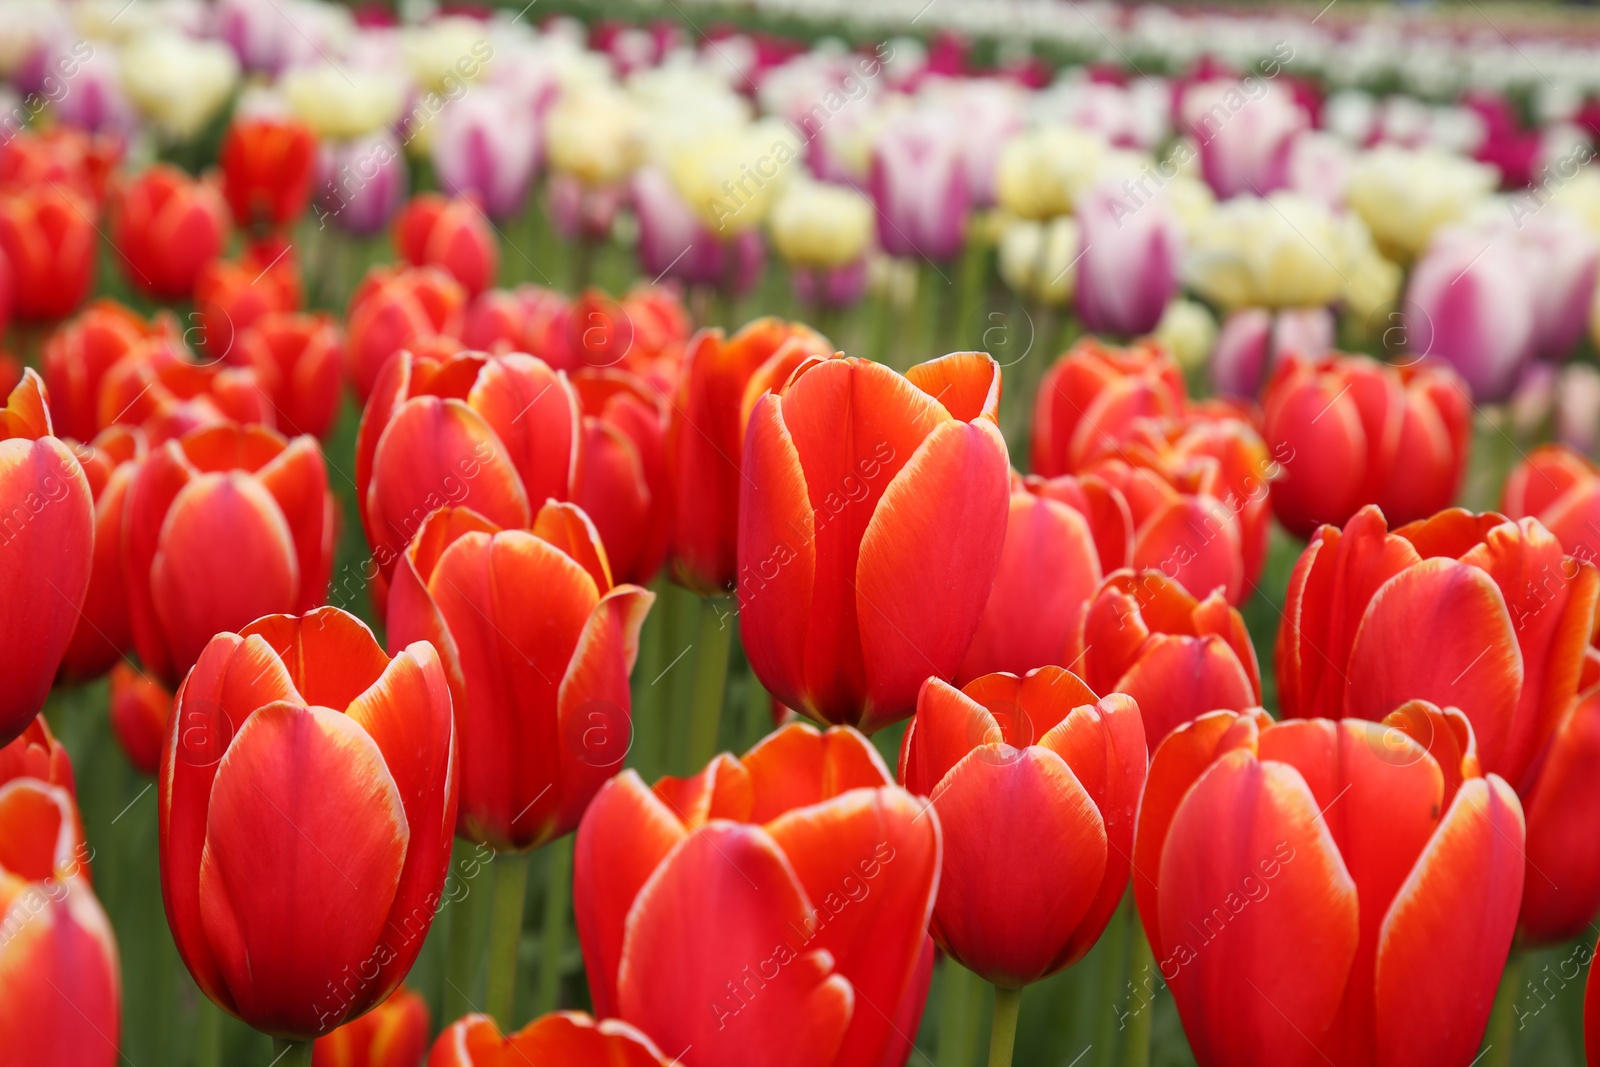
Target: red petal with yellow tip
(568,528)
(1029,707)
(797,765)
(948,725)
(394,1034)
(721,790)
(331,656)
(27,411)
(1547,474)
(966,383)
(1176,679)
(298,481)
(37,754)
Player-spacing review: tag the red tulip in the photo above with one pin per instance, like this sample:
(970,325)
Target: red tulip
(140,708)
(393,309)
(76,159)
(48,234)
(224,525)
(871,522)
(103,634)
(777,902)
(297,361)
(1351,431)
(298,909)
(158,387)
(394,1034)
(432,231)
(540,683)
(167,227)
(60,984)
(563,1039)
(267,165)
(1177,656)
(497,434)
(37,754)
(1059,768)
(723,378)
(1092,397)
(1323,892)
(513,320)
(233,294)
(1561,889)
(46,545)
(621,481)
(1560,488)
(1063,534)
(78,354)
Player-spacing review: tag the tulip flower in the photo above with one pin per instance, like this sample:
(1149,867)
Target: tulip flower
(299,909)
(167,226)
(1252,341)
(230,295)
(488,148)
(564,1038)
(722,379)
(1244,131)
(140,708)
(675,242)
(1093,394)
(1566,254)
(778,901)
(1129,269)
(1470,302)
(60,980)
(1060,768)
(1039,259)
(919,183)
(1351,431)
(1300,882)
(361,183)
(622,478)
(1040,171)
(1406,196)
(453,234)
(267,166)
(37,754)
(179,83)
(1287,250)
(78,160)
(47,524)
(644,332)
(871,523)
(297,360)
(102,634)
(79,352)
(47,232)
(223,525)
(1561,489)
(497,434)
(157,387)
(394,1034)
(396,308)
(823,232)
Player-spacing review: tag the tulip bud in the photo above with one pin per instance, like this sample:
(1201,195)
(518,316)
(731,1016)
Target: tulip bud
(179,83)
(1129,268)
(1405,196)
(159,389)
(394,1034)
(1253,340)
(168,226)
(37,754)
(47,233)
(230,295)
(1561,489)
(434,232)
(821,226)
(297,360)
(559,1038)
(1472,302)
(488,148)
(396,308)
(103,634)
(140,708)
(267,167)
(1245,131)
(79,352)
(1189,331)
(1042,171)
(1093,394)
(919,183)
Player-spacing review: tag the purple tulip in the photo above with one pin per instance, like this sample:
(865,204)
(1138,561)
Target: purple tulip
(361,183)
(675,243)
(919,182)
(834,287)
(1472,298)
(487,144)
(1252,340)
(1566,257)
(1245,131)
(92,98)
(1128,269)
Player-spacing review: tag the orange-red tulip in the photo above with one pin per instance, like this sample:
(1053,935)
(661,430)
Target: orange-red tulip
(140,708)
(433,231)
(1351,431)
(60,981)
(295,908)
(621,480)
(778,902)
(37,754)
(103,632)
(394,1034)
(1063,535)
(297,361)
(497,434)
(46,553)
(78,354)
(871,521)
(541,682)
(267,165)
(223,525)
(1561,890)
(167,226)
(396,308)
(158,387)
(723,377)
(1321,892)
(48,234)
(561,1039)
(1561,489)
(230,295)
(65,156)
(1094,394)
(1178,656)
(513,320)
(1060,769)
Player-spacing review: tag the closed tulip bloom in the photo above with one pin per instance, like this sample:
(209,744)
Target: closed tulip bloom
(60,979)
(1093,394)
(103,632)
(47,232)
(37,754)
(722,379)
(159,388)
(231,294)
(560,1039)
(299,909)
(140,708)
(77,355)
(167,226)
(1561,489)
(1253,341)
(395,308)
(394,1034)
(870,528)
(453,234)
(267,166)
(1129,269)
(1567,255)
(74,158)
(497,434)
(919,182)
(223,525)
(361,183)
(1350,431)
(675,242)
(177,82)
(1058,767)
(297,359)
(622,476)
(47,543)
(541,684)
(1300,882)
(779,901)
(1177,655)
(1470,302)
(488,148)
(1245,131)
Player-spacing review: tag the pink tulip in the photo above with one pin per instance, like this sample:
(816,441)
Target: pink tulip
(487,144)
(919,182)
(1245,131)
(1471,301)
(673,242)
(1252,340)
(361,183)
(1567,259)
(1129,266)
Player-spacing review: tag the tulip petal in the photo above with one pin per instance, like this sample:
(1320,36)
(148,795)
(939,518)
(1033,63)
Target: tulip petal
(1562,883)
(533,412)
(574,1039)
(298,481)
(948,725)
(331,656)
(966,383)
(569,529)
(1176,679)
(26,415)
(798,765)
(1197,540)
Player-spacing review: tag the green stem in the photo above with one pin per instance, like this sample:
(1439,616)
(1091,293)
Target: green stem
(1136,1053)
(505,935)
(461,957)
(1113,956)
(557,893)
(208,1035)
(292,1053)
(958,1014)
(1502,1019)
(1003,1033)
(711,650)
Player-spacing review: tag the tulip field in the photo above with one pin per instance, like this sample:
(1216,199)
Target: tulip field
(798,533)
